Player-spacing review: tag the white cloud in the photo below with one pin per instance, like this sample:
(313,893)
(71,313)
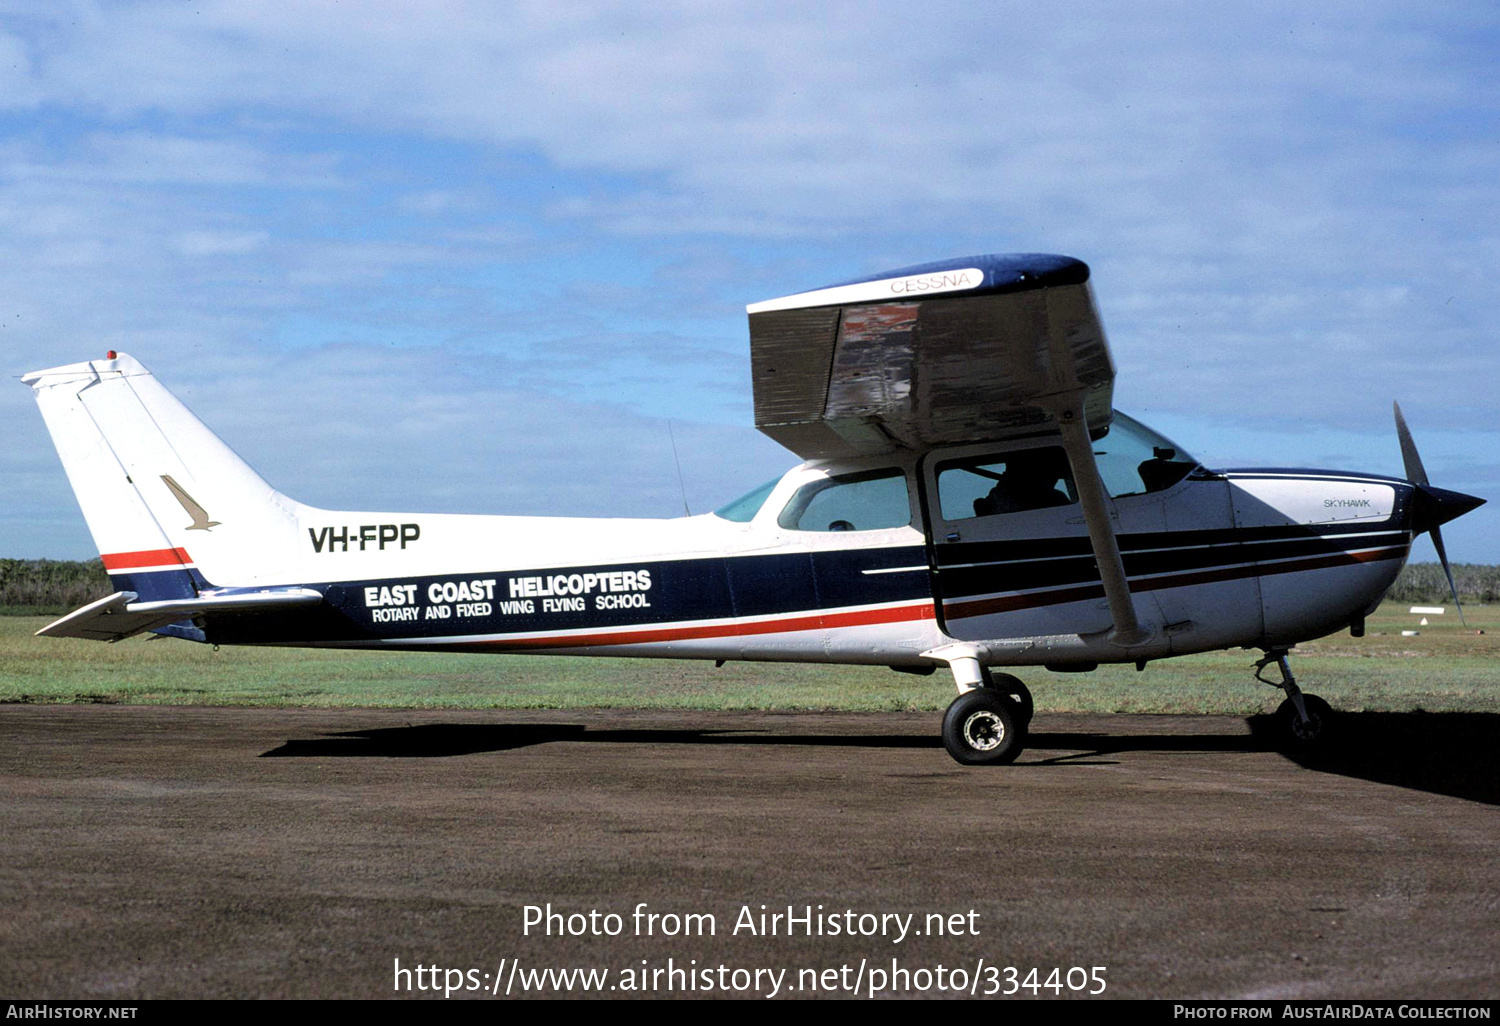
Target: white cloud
(219,243)
(436,202)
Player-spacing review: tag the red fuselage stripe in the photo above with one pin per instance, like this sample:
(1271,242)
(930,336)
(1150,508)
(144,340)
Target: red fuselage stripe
(150,557)
(858,618)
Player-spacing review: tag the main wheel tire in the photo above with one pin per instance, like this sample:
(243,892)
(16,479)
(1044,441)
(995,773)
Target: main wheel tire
(1019,694)
(981,728)
(1317,729)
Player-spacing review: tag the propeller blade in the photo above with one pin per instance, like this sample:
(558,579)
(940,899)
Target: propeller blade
(1437,543)
(1415,472)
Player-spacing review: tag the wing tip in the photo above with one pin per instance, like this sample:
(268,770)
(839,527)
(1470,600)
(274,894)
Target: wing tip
(982,275)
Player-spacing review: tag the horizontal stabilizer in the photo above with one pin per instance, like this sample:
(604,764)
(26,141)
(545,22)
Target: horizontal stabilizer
(120,616)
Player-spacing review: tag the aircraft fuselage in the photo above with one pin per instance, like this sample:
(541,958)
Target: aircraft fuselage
(1254,558)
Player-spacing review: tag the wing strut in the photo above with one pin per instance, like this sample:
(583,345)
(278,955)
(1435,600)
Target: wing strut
(1080,450)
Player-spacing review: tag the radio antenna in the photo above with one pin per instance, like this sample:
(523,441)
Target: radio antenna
(678,464)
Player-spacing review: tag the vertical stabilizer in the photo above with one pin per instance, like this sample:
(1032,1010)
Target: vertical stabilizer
(162,494)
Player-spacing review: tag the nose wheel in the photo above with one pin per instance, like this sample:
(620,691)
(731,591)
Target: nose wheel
(1305,732)
(1306,720)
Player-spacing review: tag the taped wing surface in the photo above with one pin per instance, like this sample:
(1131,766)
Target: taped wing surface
(976,349)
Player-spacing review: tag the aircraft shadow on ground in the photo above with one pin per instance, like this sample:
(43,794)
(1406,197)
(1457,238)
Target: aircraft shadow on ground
(443,739)
(1443,753)
(1452,754)
(1455,754)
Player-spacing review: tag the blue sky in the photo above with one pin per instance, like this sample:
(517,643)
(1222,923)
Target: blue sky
(474,257)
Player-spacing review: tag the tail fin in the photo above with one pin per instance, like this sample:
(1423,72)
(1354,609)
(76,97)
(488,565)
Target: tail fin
(163,496)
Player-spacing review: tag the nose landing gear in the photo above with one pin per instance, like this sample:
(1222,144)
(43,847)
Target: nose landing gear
(1306,719)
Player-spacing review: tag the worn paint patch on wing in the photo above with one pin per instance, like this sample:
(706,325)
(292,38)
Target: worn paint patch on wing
(873,360)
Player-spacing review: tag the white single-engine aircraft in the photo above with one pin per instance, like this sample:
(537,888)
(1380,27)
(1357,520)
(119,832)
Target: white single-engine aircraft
(969,500)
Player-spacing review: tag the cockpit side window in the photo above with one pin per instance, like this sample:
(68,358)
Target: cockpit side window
(850,502)
(982,486)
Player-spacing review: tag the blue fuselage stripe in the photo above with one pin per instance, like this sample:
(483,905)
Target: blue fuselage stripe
(736,588)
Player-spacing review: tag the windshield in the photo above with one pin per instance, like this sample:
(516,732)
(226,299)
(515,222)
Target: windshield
(743,509)
(1133,459)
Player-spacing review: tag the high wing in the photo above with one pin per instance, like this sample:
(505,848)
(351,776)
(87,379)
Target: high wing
(970,350)
(978,349)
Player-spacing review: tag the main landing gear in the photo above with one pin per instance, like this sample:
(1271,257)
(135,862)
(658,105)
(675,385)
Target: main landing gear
(1307,720)
(986,725)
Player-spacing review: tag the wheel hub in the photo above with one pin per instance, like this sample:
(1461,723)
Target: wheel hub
(984,731)
(1307,730)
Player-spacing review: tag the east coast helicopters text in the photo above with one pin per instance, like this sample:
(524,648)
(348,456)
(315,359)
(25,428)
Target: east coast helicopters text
(868,977)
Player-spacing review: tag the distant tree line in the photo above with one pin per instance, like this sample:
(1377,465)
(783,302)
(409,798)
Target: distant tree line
(51,586)
(1424,582)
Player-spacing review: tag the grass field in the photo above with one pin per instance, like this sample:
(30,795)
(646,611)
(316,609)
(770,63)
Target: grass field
(1444,668)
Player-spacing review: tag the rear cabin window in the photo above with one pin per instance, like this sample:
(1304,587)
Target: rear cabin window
(851,502)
